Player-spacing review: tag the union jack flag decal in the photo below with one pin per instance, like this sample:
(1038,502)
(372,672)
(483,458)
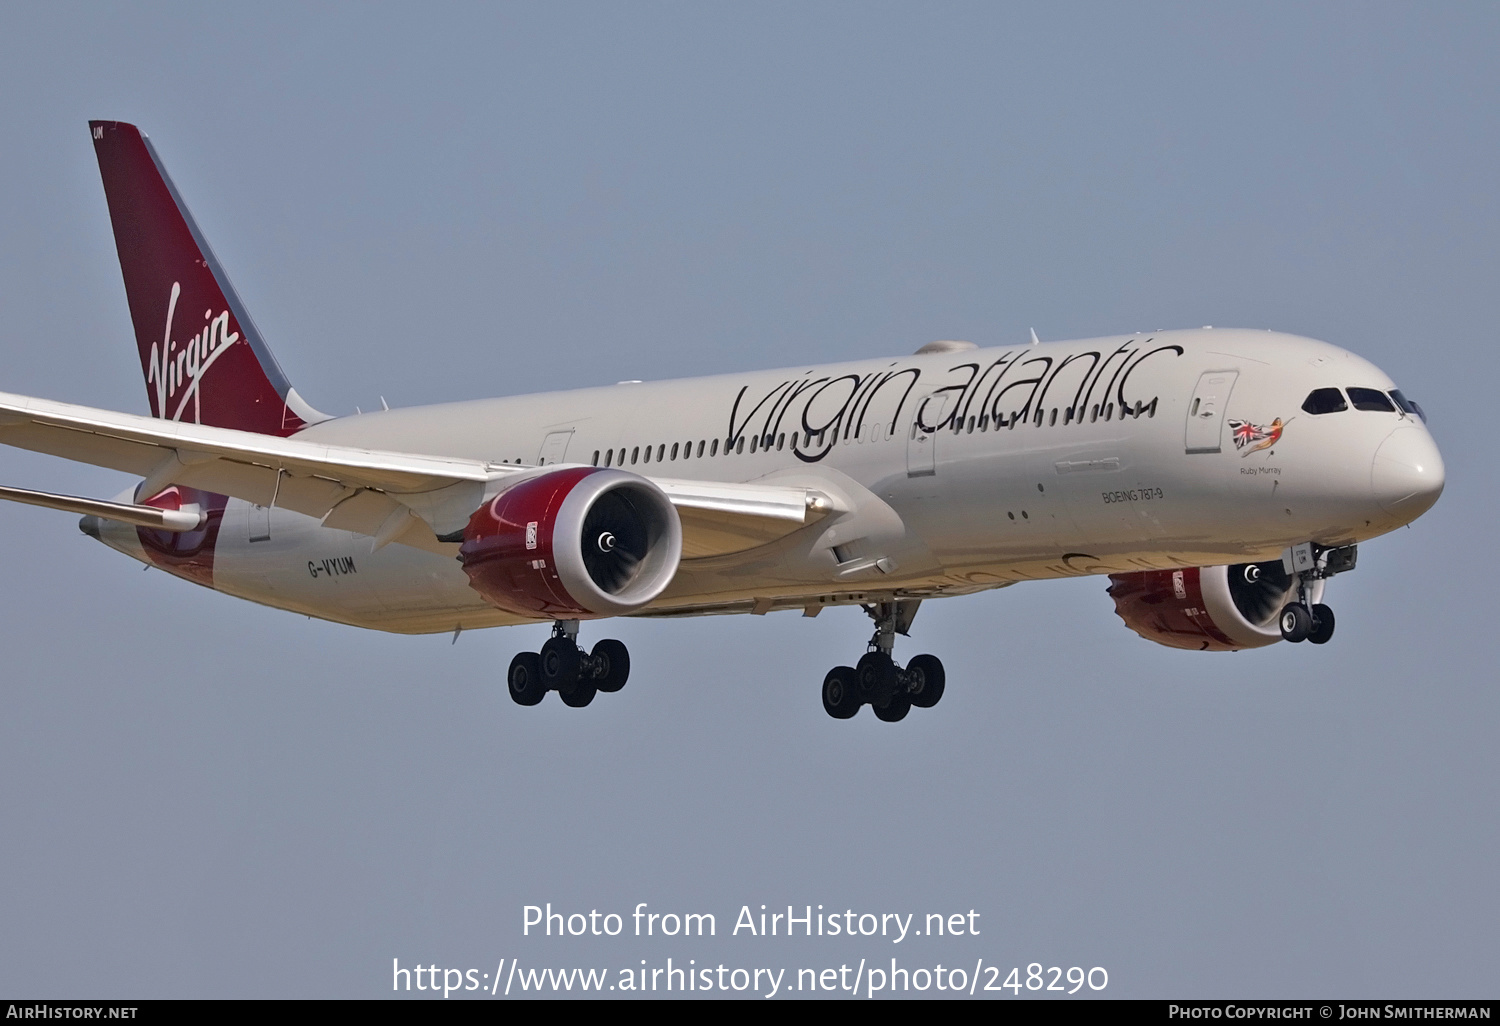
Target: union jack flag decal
(1246,434)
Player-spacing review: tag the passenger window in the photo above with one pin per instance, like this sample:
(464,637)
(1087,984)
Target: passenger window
(661,451)
(596,457)
(780,441)
(1371,399)
(700,449)
(648,455)
(1324,400)
(674,450)
(713,450)
(633,454)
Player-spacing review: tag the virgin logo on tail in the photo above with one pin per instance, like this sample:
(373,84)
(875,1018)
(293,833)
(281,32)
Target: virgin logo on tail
(176,370)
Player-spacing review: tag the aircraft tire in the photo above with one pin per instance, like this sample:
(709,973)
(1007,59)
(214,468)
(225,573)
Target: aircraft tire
(840,693)
(876,674)
(1296,623)
(895,710)
(524,679)
(613,660)
(925,681)
(579,695)
(1322,625)
(561,663)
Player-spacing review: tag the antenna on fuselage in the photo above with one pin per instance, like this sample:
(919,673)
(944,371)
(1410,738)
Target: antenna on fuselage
(1034,340)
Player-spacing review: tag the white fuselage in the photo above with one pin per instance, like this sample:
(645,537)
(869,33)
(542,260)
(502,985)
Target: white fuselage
(954,471)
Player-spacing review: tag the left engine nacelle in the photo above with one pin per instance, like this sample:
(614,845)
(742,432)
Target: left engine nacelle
(1208,608)
(573,543)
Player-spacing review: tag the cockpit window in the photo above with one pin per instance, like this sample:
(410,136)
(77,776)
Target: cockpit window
(1371,399)
(1325,400)
(1407,406)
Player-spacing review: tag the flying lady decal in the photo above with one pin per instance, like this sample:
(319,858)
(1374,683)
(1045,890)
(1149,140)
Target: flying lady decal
(1256,436)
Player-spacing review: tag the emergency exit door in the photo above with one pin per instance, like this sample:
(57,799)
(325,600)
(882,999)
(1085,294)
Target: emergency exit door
(928,417)
(1205,418)
(554,448)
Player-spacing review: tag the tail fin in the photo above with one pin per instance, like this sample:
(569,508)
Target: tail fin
(212,368)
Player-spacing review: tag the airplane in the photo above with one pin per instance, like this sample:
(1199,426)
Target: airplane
(1217,477)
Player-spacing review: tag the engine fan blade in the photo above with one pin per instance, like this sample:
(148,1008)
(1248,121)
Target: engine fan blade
(1260,590)
(614,541)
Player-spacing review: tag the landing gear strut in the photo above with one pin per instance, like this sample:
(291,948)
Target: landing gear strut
(1304,618)
(561,666)
(877,680)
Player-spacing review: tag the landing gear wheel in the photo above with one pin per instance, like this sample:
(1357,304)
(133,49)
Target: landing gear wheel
(840,698)
(561,662)
(876,674)
(894,710)
(611,661)
(1322,625)
(524,681)
(1296,623)
(925,680)
(579,695)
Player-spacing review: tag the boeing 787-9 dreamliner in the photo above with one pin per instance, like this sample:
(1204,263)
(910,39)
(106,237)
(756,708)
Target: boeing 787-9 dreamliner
(1217,477)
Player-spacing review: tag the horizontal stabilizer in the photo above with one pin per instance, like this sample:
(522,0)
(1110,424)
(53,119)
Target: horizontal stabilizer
(188,519)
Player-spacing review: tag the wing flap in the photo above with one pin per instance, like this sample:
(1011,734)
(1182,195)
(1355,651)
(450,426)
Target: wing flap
(137,445)
(362,490)
(306,477)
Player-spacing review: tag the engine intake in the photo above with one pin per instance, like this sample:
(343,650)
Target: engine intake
(573,542)
(1209,608)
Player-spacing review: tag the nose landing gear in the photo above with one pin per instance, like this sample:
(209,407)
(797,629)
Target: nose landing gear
(877,680)
(561,666)
(1305,619)
(1307,623)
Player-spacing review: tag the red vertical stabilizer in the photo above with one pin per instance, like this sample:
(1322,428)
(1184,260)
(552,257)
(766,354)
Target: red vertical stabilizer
(203,358)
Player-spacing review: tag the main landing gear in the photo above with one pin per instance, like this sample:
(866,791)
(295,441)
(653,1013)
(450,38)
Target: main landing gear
(1306,619)
(877,680)
(561,666)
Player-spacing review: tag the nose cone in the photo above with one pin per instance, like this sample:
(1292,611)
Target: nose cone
(1406,476)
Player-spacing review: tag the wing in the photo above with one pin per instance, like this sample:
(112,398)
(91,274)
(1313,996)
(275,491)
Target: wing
(410,498)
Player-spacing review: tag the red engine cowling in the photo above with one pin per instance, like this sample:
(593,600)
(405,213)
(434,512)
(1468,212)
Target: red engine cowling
(1208,608)
(573,543)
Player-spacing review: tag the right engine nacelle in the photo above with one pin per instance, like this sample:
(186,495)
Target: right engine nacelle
(1208,608)
(572,543)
